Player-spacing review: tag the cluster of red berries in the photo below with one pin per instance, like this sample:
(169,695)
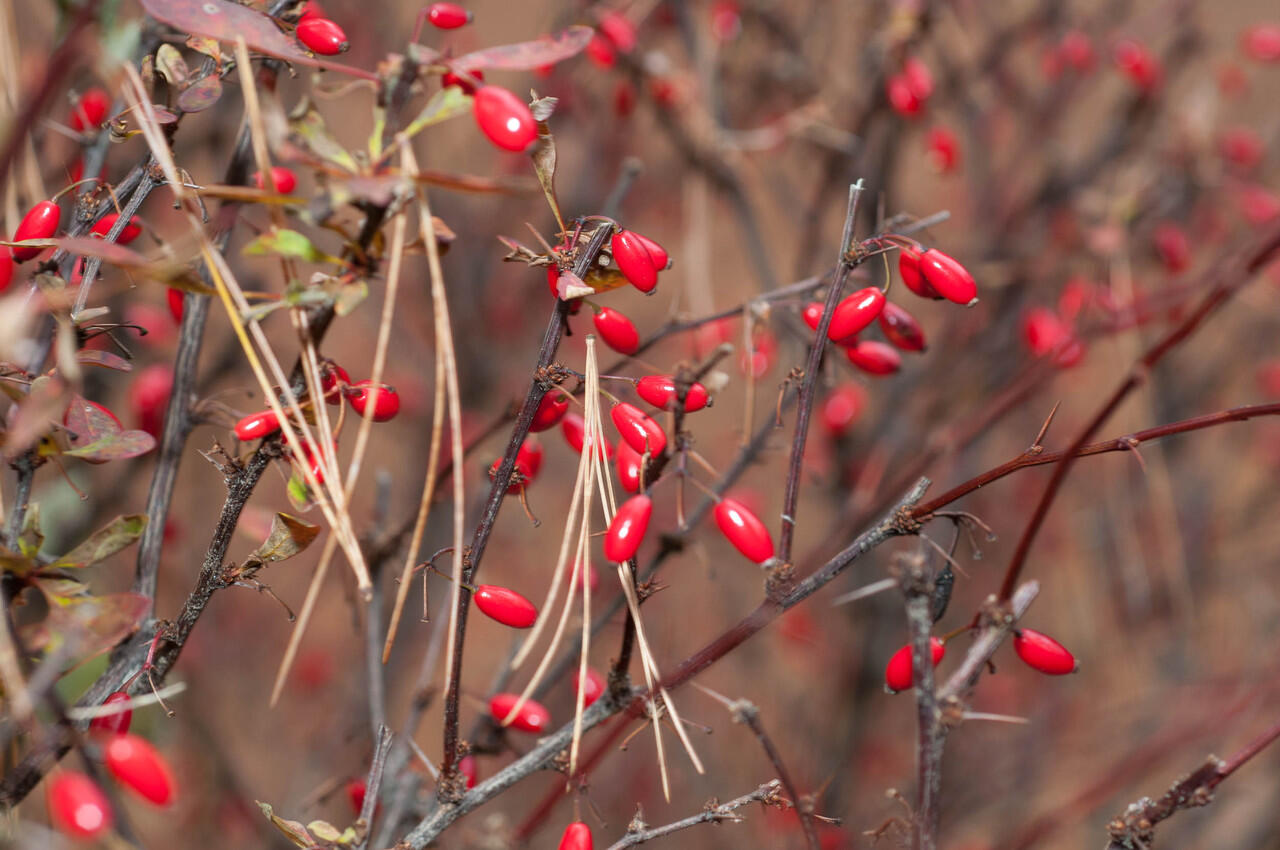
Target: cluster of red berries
(1037,650)
(909,90)
(78,807)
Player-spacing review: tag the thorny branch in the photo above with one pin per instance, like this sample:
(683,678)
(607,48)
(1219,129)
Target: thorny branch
(639,833)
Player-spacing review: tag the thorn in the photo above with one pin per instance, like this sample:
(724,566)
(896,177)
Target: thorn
(1036,446)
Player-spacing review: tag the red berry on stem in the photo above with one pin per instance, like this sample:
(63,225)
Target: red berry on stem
(575,433)
(660,391)
(528,462)
(532,717)
(448,16)
(641,432)
(468,87)
(1139,65)
(628,460)
(901,328)
(602,52)
(131,231)
(118,723)
(140,767)
(912,275)
(948,278)
(505,605)
(285,180)
(175,300)
(77,806)
(332,379)
(323,36)
(634,260)
(386,401)
(467,767)
(255,426)
(1041,652)
(577,836)
(504,118)
(618,28)
(1262,42)
(744,530)
(1044,332)
(842,408)
(551,410)
(627,529)
(854,313)
(592,686)
(661,259)
(617,331)
(873,357)
(897,673)
(149,396)
(6,270)
(91,110)
(40,222)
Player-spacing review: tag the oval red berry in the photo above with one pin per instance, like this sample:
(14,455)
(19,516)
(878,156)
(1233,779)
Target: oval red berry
(617,331)
(897,673)
(948,278)
(532,716)
(575,433)
(627,529)
(577,836)
(255,426)
(744,530)
(505,605)
(640,432)
(551,410)
(912,278)
(874,358)
(176,305)
(854,313)
(634,260)
(661,392)
(91,110)
(447,16)
(323,36)
(131,231)
(333,378)
(386,401)
(40,222)
(77,806)
(504,118)
(592,686)
(140,767)
(117,723)
(842,408)
(628,461)
(1041,652)
(901,328)
(286,181)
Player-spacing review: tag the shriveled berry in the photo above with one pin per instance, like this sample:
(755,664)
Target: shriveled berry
(577,836)
(575,432)
(901,328)
(90,110)
(627,528)
(897,673)
(948,278)
(551,410)
(131,231)
(744,530)
(1041,652)
(617,331)
(323,36)
(77,806)
(386,401)
(592,686)
(628,461)
(660,391)
(468,87)
(912,275)
(634,260)
(842,408)
(873,357)
(286,181)
(448,16)
(140,767)
(118,723)
(255,426)
(504,118)
(532,716)
(40,222)
(640,431)
(176,306)
(854,313)
(505,605)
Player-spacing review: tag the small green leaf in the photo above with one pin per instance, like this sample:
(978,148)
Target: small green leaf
(443,105)
(288,243)
(350,295)
(311,132)
(289,536)
(297,489)
(105,542)
(125,444)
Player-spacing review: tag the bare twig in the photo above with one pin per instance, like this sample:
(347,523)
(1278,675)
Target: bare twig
(713,812)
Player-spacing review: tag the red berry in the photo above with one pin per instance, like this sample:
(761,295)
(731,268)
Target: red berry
(41,222)
(255,426)
(812,315)
(874,358)
(944,149)
(592,686)
(842,409)
(467,767)
(855,312)
(332,380)
(532,717)
(6,270)
(901,97)
(618,28)
(641,432)
(468,87)
(901,328)
(1258,204)
(918,78)
(762,355)
(505,605)
(1139,65)
(744,530)
(149,396)
(356,789)
(628,461)
(912,276)
(175,299)
(617,331)
(602,52)
(1044,332)
(577,836)
(91,110)
(948,278)
(528,462)
(448,16)
(634,260)
(1077,50)
(77,805)
(551,410)
(1173,246)
(660,391)
(117,723)
(323,36)
(1262,42)
(504,118)
(627,529)
(386,402)
(1041,652)
(285,180)
(1241,147)
(575,432)
(726,20)
(140,767)
(131,231)
(661,259)
(897,673)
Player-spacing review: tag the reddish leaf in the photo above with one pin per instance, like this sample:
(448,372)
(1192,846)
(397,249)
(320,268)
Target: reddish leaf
(88,422)
(105,359)
(119,446)
(201,94)
(108,252)
(527,55)
(87,625)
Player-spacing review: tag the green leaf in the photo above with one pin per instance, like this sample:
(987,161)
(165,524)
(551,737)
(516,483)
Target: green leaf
(258,312)
(288,243)
(125,444)
(105,542)
(289,536)
(310,131)
(292,829)
(350,295)
(443,105)
(297,489)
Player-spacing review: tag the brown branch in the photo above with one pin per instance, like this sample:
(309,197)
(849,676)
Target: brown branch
(745,712)
(713,812)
